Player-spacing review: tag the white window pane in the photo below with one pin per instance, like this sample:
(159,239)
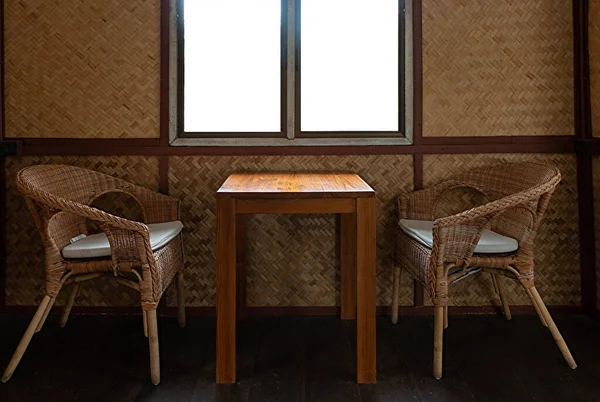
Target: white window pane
(232,66)
(349,65)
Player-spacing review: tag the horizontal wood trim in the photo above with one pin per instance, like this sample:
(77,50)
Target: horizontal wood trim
(495,140)
(294,310)
(82,310)
(151,147)
(86,143)
(296,206)
(403,311)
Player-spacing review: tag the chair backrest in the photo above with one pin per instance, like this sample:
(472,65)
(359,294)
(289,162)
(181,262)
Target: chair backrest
(500,181)
(46,187)
(66,182)
(535,181)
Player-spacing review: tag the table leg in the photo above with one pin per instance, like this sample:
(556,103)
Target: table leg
(366,225)
(348,266)
(226,290)
(240,256)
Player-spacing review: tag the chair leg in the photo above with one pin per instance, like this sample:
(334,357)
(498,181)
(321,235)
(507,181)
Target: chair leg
(564,349)
(153,341)
(438,340)
(45,316)
(180,300)
(537,308)
(396,294)
(67,309)
(18,355)
(145,322)
(445,317)
(500,289)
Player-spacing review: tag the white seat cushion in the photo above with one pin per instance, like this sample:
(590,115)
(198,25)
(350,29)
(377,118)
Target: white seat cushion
(96,245)
(490,242)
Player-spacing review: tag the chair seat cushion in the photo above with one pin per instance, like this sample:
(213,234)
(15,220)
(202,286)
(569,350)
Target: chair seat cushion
(96,245)
(489,243)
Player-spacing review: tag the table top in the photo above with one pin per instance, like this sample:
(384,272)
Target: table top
(295,185)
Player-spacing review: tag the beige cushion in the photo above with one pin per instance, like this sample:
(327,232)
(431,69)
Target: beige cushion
(96,245)
(490,242)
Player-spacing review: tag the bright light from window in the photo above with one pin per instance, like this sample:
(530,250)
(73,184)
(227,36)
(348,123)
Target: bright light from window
(349,65)
(232,66)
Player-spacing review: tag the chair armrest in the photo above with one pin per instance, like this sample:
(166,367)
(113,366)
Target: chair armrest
(456,242)
(129,247)
(129,240)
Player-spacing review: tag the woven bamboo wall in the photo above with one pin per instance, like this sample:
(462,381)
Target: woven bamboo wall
(292,259)
(24,250)
(594,49)
(82,69)
(497,68)
(557,243)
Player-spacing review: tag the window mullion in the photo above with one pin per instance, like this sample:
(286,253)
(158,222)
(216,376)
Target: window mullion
(291,70)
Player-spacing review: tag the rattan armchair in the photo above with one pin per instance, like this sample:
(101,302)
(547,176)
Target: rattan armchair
(517,196)
(59,198)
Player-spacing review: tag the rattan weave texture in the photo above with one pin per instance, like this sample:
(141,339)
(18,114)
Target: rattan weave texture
(557,241)
(25,252)
(497,68)
(82,69)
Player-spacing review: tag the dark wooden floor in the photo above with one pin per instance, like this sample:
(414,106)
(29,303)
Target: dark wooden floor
(303,359)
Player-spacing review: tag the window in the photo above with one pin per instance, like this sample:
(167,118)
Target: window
(291,72)
(232,73)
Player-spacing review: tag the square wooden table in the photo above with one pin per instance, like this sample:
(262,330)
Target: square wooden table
(301,193)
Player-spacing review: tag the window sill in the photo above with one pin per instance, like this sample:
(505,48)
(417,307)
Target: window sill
(279,142)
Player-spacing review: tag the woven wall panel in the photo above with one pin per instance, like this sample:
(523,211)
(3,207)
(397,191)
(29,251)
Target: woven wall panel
(82,69)
(497,68)
(292,259)
(594,51)
(25,253)
(557,242)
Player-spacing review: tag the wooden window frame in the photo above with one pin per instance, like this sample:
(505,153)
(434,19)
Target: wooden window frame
(291,134)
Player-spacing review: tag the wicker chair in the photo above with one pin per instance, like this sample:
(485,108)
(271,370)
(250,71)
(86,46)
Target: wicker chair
(516,198)
(59,198)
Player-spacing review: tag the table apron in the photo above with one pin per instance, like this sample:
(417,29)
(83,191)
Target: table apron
(296,206)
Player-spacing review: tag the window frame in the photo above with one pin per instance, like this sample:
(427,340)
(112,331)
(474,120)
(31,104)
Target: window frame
(290,133)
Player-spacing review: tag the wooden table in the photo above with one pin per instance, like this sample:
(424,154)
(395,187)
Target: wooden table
(301,193)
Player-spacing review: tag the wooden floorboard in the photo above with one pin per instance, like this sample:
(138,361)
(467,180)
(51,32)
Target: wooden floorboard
(279,369)
(582,338)
(414,340)
(393,378)
(297,359)
(473,350)
(329,368)
(537,341)
(184,354)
